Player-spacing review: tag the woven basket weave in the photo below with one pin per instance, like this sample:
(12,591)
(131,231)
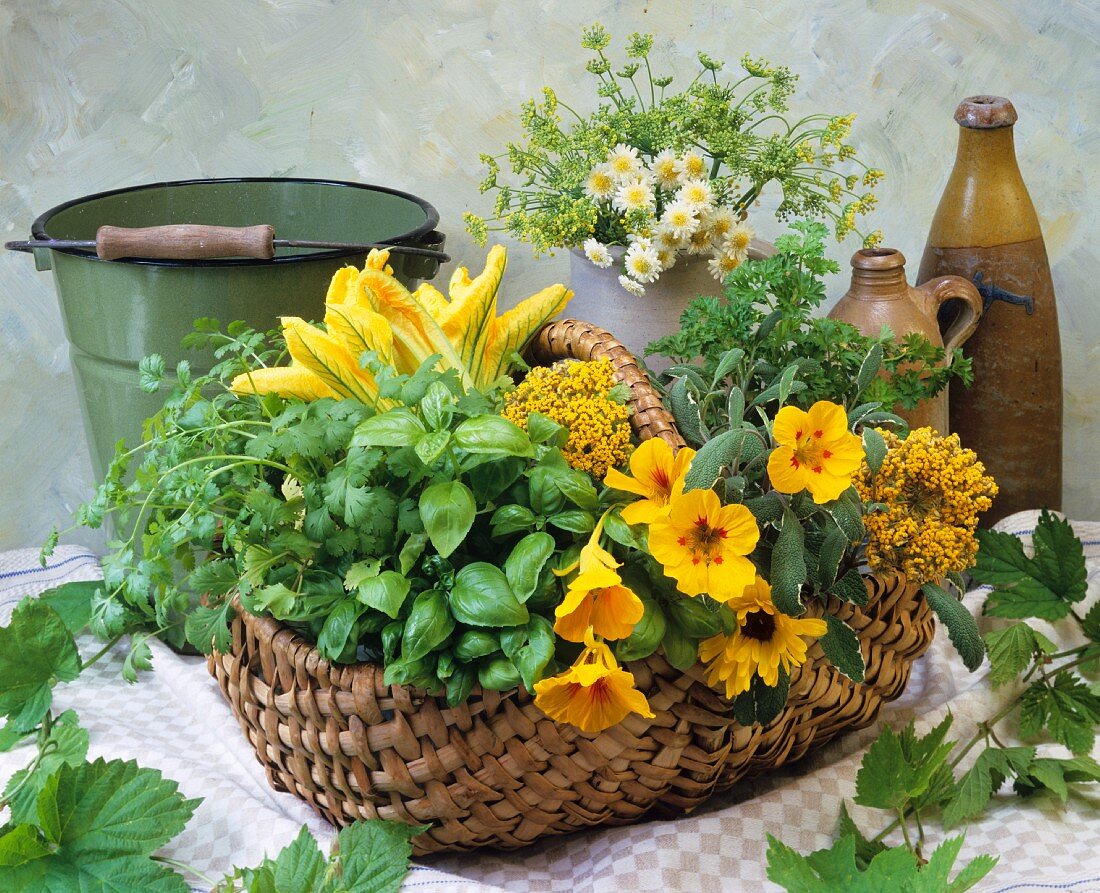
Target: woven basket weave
(495,771)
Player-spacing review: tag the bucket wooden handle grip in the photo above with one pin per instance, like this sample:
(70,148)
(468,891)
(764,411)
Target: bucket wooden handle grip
(185,241)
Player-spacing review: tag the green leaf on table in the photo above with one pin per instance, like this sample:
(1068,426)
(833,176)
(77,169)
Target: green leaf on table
(73,603)
(1055,775)
(36,650)
(374,855)
(900,768)
(962,628)
(448,510)
(840,644)
(866,850)
(1060,557)
(1012,649)
(523,566)
(982,780)
(1066,707)
(99,824)
(67,744)
(139,659)
(1091,624)
(482,596)
(428,625)
(894,869)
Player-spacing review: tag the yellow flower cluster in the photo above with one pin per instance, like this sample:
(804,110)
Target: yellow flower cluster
(577,396)
(933,491)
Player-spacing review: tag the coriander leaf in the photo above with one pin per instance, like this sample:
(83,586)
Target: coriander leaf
(101,821)
(962,629)
(36,649)
(207,628)
(138,659)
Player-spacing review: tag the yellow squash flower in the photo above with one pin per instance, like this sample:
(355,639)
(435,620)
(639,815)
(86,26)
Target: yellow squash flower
(658,477)
(598,600)
(369,310)
(594,694)
(765,639)
(702,545)
(815,451)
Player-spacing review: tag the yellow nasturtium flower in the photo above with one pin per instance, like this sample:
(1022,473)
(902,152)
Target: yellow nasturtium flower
(815,451)
(702,545)
(764,640)
(658,477)
(593,694)
(597,599)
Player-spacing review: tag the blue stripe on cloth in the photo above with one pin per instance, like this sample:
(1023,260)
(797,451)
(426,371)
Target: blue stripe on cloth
(1035,885)
(49,567)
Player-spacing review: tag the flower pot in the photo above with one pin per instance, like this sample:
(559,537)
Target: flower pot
(637,320)
(495,770)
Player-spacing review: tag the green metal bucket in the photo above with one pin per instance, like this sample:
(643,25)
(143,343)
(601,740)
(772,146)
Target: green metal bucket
(118,311)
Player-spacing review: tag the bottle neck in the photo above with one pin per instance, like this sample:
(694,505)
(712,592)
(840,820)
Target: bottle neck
(878,285)
(987,153)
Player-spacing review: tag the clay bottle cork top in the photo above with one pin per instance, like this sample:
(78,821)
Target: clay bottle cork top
(985,113)
(878,259)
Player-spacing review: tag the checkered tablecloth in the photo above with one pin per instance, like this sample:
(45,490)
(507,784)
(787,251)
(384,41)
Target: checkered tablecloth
(175,720)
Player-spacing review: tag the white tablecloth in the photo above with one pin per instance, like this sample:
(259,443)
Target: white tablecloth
(175,720)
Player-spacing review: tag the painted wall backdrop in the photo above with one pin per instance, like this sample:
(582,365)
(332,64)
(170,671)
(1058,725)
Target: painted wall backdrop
(100,94)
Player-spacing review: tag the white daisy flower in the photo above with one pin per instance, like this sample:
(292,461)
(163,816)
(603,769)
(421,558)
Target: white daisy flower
(639,241)
(635,288)
(665,239)
(738,239)
(722,264)
(642,264)
(597,252)
(679,219)
(600,183)
(666,168)
(696,193)
(667,258)
(623,161)
(693,165)
(719,222)
(699,242)
(633,194)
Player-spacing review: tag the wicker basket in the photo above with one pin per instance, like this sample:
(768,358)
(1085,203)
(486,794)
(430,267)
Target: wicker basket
(495,771)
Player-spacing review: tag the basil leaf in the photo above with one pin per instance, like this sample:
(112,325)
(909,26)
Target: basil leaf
(429,623)
(482,597)
(448,511)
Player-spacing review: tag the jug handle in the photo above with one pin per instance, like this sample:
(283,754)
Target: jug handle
(946,288)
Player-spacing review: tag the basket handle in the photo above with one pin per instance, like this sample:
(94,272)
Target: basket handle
(185,241)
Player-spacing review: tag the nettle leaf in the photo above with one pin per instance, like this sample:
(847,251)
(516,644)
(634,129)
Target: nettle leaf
(1067,708)
(788,567)
(448,510)
(374,855)
(962,628)
(1011,651)
(865,849)
(99,824)
(827,871)
(981,781)
(1091,623)
(1055,775)
(36,650)
(1060,556)
(841,647)
(73,603)
(900,768)
(67,745)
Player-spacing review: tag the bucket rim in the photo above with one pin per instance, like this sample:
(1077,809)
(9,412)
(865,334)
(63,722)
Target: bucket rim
(38,228)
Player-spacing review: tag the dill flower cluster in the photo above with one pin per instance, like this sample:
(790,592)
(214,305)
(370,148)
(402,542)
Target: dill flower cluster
(583,397)
(931,491)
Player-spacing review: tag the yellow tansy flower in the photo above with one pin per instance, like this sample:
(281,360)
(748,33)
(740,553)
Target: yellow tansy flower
(934,491)
(658,477)
(765,639)
(816,451)
(594,694)
(702,545)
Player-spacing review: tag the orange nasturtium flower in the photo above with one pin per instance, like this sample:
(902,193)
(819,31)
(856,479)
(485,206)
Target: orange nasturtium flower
(765,639)
(815,451)
(658,479)
(593,694)
(702,545)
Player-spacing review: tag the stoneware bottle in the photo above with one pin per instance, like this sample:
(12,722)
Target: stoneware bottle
(880,296)
(986,230)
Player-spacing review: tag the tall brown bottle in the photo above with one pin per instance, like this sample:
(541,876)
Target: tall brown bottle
(986,230)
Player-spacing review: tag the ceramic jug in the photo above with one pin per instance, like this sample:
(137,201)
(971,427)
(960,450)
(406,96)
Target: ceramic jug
(880,296)
(986,230)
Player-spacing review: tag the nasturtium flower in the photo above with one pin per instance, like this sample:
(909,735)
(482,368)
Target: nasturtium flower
(764,640)
(815,451)
(598,599)
(658,477)
(702,545)
(594,694)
